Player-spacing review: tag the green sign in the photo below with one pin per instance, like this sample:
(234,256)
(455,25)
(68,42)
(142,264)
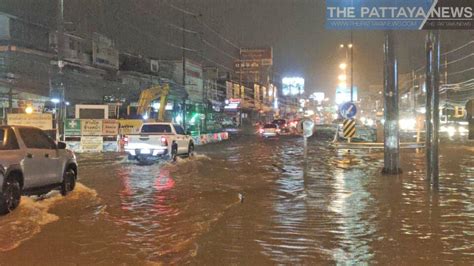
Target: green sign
(72,127)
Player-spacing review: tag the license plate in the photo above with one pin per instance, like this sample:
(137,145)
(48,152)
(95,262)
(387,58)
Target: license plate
(145,151)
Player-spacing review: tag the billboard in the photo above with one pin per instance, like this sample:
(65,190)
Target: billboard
(42,121)
(262,55)
(103,52)
(343,94)
(293,86)
(318,96)
(211,73)
(253,59)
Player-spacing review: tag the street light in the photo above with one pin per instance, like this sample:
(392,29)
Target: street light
(342,77)
(350,47)
(343,66)
(29,110)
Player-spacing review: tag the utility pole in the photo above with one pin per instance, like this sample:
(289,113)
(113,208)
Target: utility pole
(59,115)
(428,106)
(413,76)
(436,83)
(391,128)
(184,66)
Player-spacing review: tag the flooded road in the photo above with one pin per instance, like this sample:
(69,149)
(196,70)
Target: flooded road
(334,207)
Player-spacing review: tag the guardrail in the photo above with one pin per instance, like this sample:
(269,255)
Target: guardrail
(375,145)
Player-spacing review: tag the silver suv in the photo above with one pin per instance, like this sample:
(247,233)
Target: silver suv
(31,163)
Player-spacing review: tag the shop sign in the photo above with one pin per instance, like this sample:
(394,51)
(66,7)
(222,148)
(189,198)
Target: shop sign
(92,144)
(42,121)
(110,127)
(91,127)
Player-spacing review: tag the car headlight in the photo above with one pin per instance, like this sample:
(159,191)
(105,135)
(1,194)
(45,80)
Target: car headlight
(407,124)
(451,130)
(463,130)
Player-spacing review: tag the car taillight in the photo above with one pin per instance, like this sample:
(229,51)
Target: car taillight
(278,130)
(125,140)
(164,141)
(261,130)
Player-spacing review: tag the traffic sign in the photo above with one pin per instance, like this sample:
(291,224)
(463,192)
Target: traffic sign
(348,110)
(73,127)
(308,126)
(348,128)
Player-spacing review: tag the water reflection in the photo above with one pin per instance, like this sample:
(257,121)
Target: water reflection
(148,212)
(332,208)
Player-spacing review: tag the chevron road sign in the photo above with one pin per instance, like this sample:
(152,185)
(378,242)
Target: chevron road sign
(348,128)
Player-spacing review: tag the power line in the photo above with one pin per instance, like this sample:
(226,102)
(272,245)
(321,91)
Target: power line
(197,17)
(162,41)
(182,10)
(460,59)
(202,39)
(449,52)
(459,48)
(179,47)
(460,72)
(218,34)
(196,33)
(223,52)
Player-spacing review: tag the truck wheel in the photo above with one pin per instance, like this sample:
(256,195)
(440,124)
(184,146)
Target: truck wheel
(174,153)
(69,182)
(10,196)
(191,150)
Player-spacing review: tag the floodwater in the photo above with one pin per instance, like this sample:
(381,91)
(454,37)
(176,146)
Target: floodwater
(333,208)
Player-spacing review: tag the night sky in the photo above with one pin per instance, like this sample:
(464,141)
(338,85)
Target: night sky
(295,29)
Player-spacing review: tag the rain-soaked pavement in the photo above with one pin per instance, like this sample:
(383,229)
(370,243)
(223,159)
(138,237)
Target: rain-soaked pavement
(336,208)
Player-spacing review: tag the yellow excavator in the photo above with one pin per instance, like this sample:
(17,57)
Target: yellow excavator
(147,96)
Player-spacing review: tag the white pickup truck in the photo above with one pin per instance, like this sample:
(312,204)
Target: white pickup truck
(158,140)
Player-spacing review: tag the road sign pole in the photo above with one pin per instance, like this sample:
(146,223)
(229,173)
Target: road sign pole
(391,130)
(307,127)
(305,141)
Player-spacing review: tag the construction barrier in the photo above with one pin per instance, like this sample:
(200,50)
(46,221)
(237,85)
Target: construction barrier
(92,144)
(210,138)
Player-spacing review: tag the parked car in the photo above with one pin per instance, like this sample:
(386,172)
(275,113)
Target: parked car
(32,164)
(269,130)
(282,125)
(159,140)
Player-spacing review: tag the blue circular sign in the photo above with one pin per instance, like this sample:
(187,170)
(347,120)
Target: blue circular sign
(348,110)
